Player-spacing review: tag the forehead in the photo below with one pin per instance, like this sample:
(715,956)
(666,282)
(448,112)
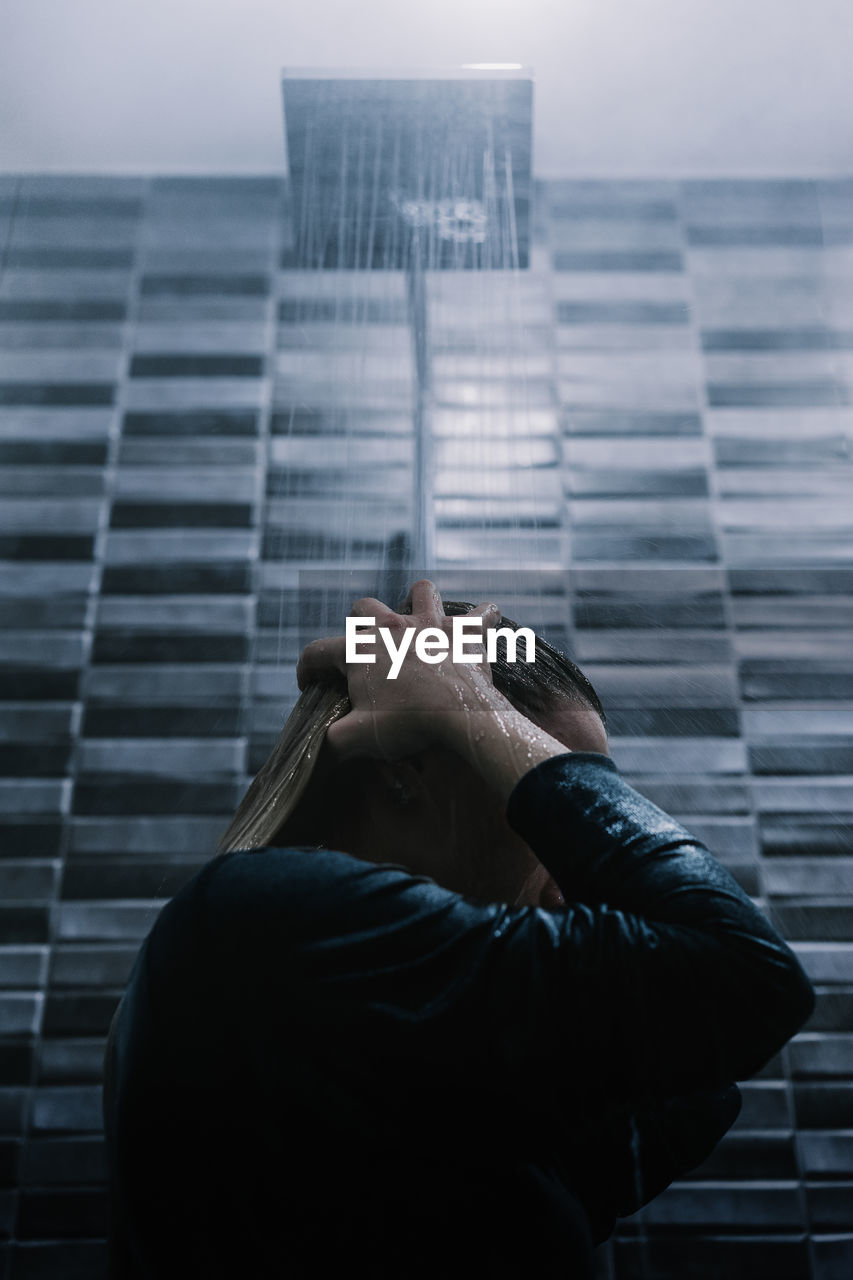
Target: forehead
(575,725)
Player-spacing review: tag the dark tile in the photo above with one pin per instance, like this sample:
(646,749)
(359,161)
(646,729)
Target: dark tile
(796,835)
(50,1215)
(245,191)
(38,683)
(289,544)
(624,312)
(298,420)
(747,877)
(627,422)
(10,1152)
(361,310)
(833,1257)
(791,580)
(109,795)
(606,542)
(833,1010)
(747,1156)
(34,760)
(13,1114)
(506,522)
(181,515)
(193,422)
(132,646)
(25,925)
(697,796)
(802,758)
(748,235)
(71,1061)
(75,203)
(805,339)
(27,310)
(690,722)
(88,965)
(189,451)
(799,191)
(202,308)
(194,286)
(618,260)
(56,393)
(79,1013)
(36,838)
(16,1061)
(178,578)
(47,546)
(284,609)
(91,881)
(53,453)
(639,486)
(824,1106)
(196,366)
(697,609)
(732,452)
(786,681)
(50,258)
(51,1162)
(831,1210)
(814,922)
(260,749)
(162,722)
(604,210)
(815,394)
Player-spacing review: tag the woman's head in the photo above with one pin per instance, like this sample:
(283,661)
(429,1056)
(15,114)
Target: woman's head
(430,812)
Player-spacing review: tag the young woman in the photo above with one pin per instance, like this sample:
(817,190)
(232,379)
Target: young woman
(454,998)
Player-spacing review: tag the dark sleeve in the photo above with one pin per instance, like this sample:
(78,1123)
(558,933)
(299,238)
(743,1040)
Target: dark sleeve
(703,989)
(658,978)
(626,1158)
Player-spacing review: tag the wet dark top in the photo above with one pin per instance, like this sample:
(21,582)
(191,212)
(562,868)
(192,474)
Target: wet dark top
(322,1065)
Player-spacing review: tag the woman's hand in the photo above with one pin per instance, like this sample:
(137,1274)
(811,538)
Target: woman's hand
(396,717)
(454,705)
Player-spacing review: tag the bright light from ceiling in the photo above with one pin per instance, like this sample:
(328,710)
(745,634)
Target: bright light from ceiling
(491,66)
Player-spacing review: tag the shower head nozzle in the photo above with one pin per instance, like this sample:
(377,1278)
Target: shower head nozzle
(383,166)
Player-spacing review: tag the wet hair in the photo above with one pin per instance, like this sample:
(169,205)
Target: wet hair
(281,786)
(533,687)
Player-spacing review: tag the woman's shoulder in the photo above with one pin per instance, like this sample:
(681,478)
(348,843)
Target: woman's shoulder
(247,888)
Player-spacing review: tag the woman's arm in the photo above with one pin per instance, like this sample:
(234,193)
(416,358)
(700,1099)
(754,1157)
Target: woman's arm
(710,989)
(670,976)
(659,977)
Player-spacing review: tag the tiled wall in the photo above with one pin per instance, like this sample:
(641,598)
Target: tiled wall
(661,407)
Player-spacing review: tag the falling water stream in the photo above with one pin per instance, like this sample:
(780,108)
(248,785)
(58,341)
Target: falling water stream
(408,353)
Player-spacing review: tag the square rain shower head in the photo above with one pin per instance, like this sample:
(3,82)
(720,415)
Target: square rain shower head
(384,168)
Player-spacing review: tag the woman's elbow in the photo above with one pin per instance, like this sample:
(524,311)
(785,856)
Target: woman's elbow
(777,1012)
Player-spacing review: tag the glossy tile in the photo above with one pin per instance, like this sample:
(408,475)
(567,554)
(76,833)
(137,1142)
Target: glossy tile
(651,424)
